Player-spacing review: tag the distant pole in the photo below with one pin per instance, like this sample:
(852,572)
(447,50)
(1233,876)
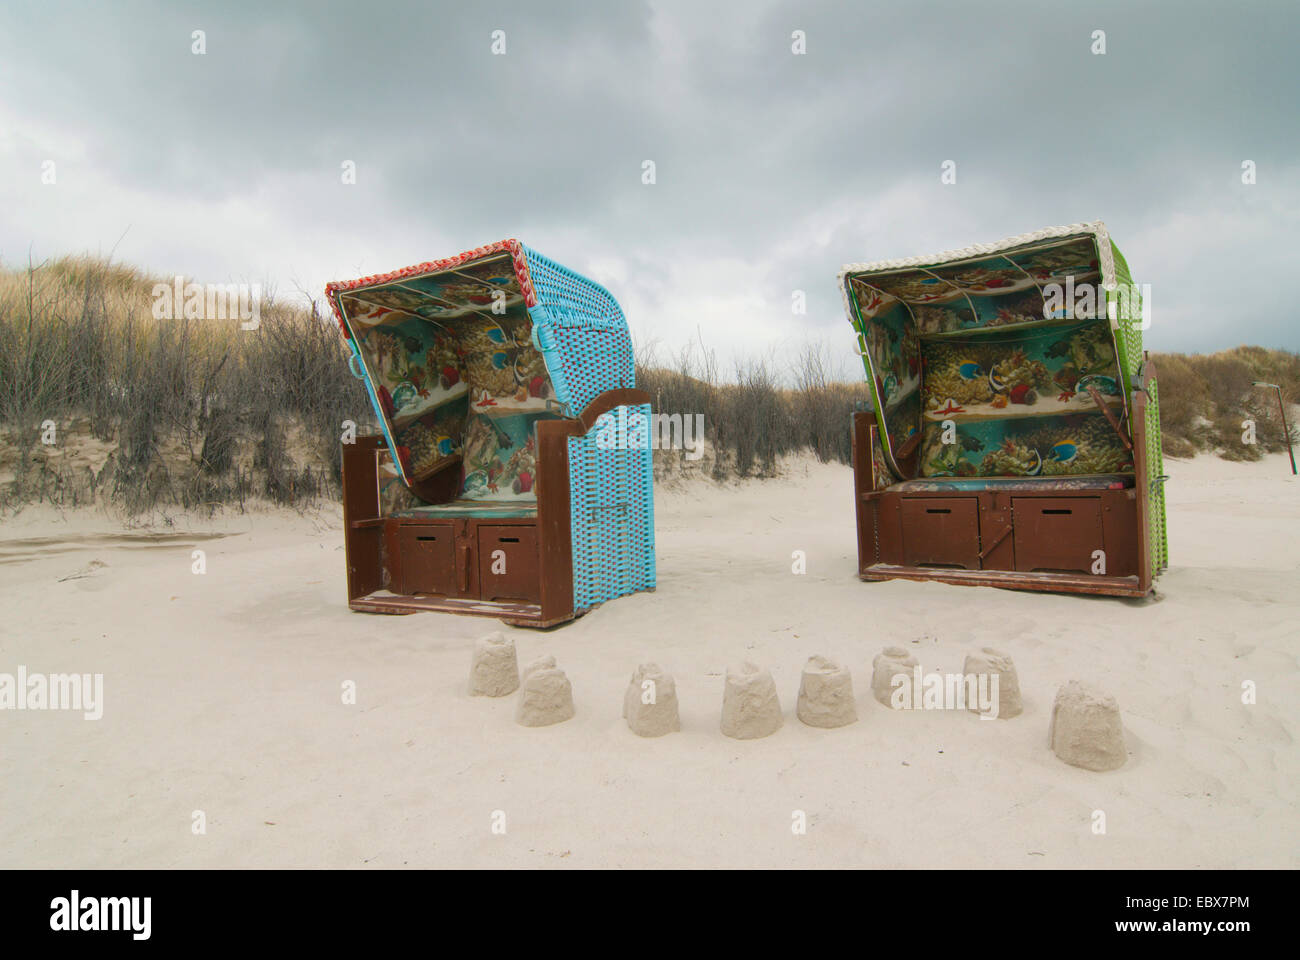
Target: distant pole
(1281,408)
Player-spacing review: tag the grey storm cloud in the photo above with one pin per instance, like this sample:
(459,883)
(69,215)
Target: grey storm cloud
(772,168)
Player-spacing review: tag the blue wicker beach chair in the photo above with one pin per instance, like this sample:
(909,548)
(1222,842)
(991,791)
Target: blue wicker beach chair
(494,487)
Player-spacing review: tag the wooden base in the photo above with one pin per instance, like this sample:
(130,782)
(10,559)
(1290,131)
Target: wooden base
(517,569)
(515,614)
(1009,579)
(501,567)
(1050,539)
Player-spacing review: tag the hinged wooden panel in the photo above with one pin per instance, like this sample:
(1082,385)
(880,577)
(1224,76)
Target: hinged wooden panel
(941,531)
(508,567)
(889,529)
(428,564)
(465,560)
(1119,526)
(362,526)
(1057,533)
(997,545)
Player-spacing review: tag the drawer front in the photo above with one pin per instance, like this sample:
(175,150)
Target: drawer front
(428,559)
(508,564)
(1057,533)
(941,532)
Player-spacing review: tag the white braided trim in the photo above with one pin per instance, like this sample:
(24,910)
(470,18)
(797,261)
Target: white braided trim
(1096,228)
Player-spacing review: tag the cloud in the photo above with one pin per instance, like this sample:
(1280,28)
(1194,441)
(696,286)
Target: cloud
(772,169)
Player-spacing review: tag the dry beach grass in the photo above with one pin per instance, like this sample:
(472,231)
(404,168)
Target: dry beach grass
(201,415)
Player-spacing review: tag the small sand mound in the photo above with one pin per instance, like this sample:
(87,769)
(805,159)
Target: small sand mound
(1086,730)
(990,662)
(547,696)
(889,663)
(650,704)
(750,708)
(495,670)
(826,694)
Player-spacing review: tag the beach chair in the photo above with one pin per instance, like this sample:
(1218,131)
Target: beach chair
(1014,435)
(490,490)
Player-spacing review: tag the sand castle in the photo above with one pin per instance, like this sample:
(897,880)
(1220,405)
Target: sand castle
(750,707)
(495,669)
(826,694)
(547,696)
(889,663)
(1086,730)
(990,662)
(650,704)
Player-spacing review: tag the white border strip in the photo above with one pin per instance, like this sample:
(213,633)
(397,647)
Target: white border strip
(1095,228)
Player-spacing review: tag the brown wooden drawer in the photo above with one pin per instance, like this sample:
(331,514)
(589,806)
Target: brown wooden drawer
(941,532)
(428,559)
(1057,533)
(508,565)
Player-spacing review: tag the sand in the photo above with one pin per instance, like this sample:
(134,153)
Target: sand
(1086,729)
(226,693)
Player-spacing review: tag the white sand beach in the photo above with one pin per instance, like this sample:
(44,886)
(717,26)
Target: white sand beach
(222,694)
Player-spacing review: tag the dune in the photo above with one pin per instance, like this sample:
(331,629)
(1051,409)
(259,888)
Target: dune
(225,702)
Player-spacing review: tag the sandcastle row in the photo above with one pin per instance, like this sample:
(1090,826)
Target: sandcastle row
(1086,729)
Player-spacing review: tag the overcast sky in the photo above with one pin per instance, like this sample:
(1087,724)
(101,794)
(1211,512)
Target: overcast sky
(773,169)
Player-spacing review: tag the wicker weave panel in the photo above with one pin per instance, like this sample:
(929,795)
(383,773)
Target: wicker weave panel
(1155,471)
(581,332)
(1127,320)
(613,518)
(584,338)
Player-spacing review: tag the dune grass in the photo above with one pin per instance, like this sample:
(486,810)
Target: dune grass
(202,414)
(1205,400)
(196,412)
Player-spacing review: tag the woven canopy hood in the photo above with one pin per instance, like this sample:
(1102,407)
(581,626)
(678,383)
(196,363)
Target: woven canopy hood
(1015,329)
(478,330)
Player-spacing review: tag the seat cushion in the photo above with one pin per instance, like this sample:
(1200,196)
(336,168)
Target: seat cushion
(1112,481)
(488,509)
